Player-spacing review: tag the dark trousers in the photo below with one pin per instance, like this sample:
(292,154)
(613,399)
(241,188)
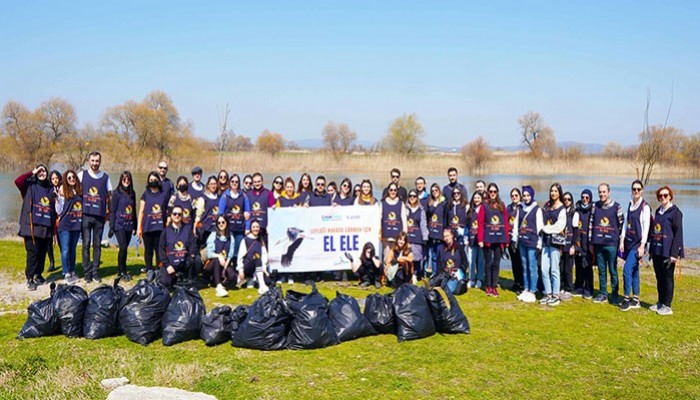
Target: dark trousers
(566,271)
(182,271)
(36,255)
(492,264)
(664,270)
(584,272)
(93,228)
(123,239)
(150,248)
(517,263)
(418,270)
(369,274)
(214,267)
(49,252)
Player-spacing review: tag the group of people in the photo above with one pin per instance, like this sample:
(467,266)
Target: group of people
(216,230)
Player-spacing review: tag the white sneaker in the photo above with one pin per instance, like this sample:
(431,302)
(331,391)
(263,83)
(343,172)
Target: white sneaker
(290,280)
(522,295)
(471,284)
(530,298)
(221,291)
(478,284)
(263,289)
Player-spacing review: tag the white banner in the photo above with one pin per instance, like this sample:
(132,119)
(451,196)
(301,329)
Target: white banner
(314,239)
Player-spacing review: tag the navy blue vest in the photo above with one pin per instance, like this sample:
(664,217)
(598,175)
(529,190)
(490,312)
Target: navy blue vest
(71,218)
(527,227)
(253,255)
(413,220)
(222,246)
(473,226)
(436,220)
(285,202)
(154,210)
(633,233)
(176,244)
(234,213)
(316,200)
(348,201)
(211,211)
(187,209)
(456,216)
(605,225)
(584,217)
(512,212)
(194,193)
(42,205)
(569,231)
(258,206)
(494,225)
(662,233)
(124,218)
(392,224)
(451,259)
(94,194)
(551,215)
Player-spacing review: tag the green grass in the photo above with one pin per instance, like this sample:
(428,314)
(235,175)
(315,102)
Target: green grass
(577,350)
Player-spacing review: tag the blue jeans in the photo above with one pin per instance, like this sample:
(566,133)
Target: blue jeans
(69,242)
(606,258)
(550,269)
(476,266)
(433,245)
(631,274)
(452,283)
(528,255)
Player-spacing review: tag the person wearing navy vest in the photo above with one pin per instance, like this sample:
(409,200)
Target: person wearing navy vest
(452,177)
(56,180)
(666,248)
(526,231)
(151,221)
(234,204)
(320,197)
(554,214)
(69,208)
(260,200)
(122,220)
(583,283)
(513,250)
(633,241)
(344,197)
(451,259)
(206,209)
(182,198)
(436,215)
(604,229)
(247,183)
(571,233)
(417,230)
(220,252)
(494,235)
(165,182)
(305,188)
(457,214)
(96,195)
(196,189)
(475,253)
(422,191)
(393,217)
(176,250)
(395,175)
(252,259)
(36,221)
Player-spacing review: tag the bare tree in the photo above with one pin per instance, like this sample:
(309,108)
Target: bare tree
(338,139)
(270,142)
(222,142)
(530,126)
(651,146)
(477,154)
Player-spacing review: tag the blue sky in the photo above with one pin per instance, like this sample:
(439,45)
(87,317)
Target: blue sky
(465,69)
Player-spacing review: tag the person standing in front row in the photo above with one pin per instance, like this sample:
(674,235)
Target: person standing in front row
(493,236)
(96,194)
(633,243)
(122,222)
(604,232)
(528,228)
(513,250)
(554,214)
(151,221)
(260,200)
(417,230)
(36,221)
(176,248)
(571,233)
(584,258)
(69,208)
(666,248)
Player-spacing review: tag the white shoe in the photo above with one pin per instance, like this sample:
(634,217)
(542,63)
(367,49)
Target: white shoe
(290,280)
(530,298)
(263,289)
(221,291)
(471,284)
(250,283)
(478,284)
(522,295)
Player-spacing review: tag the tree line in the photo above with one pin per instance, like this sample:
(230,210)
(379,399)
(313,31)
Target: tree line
(137,132)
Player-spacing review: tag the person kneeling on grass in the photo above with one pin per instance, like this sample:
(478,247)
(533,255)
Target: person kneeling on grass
(220,250)
(252,258)
(177,249)
(398,262)
(368,267)
(452,259)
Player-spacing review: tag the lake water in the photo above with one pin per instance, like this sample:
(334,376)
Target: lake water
(686,191)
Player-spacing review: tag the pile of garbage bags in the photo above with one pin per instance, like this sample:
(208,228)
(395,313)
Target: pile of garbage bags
(275,321)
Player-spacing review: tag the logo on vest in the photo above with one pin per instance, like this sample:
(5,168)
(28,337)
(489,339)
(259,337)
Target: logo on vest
(179,245)
(256,206)
(256,256)
(410,222)
(657,228)
(45,201)
(511,220)
(236,209)
(524,224)
(391,215)
(155,208)
(450,263)
(128,209)
(185,213)
(434,218)
(77,206)
(495,220)
(475,224)
(215,210)
(223,253)
(93,191)
(604,221)
(455,220)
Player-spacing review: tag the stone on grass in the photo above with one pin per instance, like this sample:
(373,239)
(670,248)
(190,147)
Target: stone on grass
(113,383)
(133,392)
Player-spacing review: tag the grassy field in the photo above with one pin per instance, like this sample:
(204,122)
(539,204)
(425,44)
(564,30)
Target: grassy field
(576,350)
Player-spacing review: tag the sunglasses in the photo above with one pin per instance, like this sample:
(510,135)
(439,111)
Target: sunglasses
(396,176)
(636,189)
(176,214)
(277,182)
(247,183)
(221,222)
(164,168)
(493,191)
(73,177)
(345,185)
(320,184)
(235,181)
(457,193)
(514,195)
(664,195)
(392,190)
(412,195)
(585,197)
(567,199)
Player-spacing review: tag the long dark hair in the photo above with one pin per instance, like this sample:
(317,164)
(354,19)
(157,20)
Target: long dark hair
(472,203)
(550,202)
(432,200)
(225,230)
(388,188)
(60,179)
(78,187)
(496,203)
(462,200)
(126,189)
(157,176)
(406,249)
(301,188)
(367,246)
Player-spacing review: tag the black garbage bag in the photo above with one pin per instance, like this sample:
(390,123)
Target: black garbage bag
(42,320)
(447,314)
(69,302)
(413,317)
(216,326)
(141,311)
(237,317)
(182,320)
(102,311)
(267,324)
(379,311)
(347,319)
(311,328)
(440,279)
